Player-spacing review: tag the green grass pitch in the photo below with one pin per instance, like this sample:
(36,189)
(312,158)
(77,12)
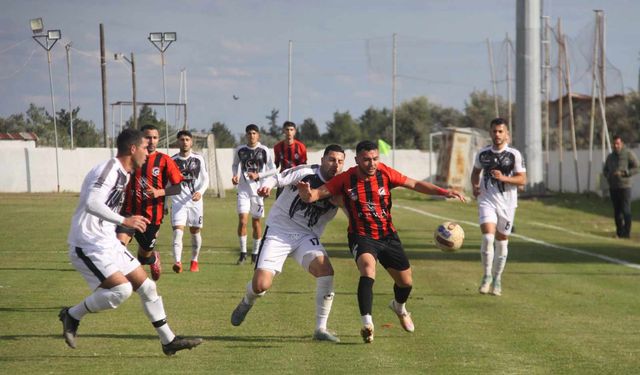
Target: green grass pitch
(565,309)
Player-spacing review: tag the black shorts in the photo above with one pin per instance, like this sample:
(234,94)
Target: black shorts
(146,240)
(388,250)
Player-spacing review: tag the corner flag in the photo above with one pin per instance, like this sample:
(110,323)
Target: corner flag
(384,147)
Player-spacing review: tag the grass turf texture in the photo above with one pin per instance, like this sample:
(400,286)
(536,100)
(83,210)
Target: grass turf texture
(561,312)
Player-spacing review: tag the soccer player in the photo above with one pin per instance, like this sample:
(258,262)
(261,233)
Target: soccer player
(366,192)
(289,152)
(187,208)
(503,172)
(112,273)
(251,162)
(145,196)
(293,229)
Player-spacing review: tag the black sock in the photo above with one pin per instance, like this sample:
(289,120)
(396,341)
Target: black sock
(149,260)
(401,294)
(365,295)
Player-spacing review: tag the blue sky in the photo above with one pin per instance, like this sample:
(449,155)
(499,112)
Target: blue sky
(341,59)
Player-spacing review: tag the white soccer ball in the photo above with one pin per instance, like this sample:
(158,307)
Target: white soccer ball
(448,236)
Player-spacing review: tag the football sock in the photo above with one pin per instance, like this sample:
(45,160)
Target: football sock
(486,252)
(256,245)
(250,297)
(243,243)
(177,244)
(102,299)
(196,243)
(366,319)
(365,295)
(401,295)
(154,310)
(324,300)
(500,260)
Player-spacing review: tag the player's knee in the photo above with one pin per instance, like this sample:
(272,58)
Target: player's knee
(488,239)
(148,290)
(118,294)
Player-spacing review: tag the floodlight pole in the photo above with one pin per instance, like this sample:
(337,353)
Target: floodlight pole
(48,48)
(68,47)
(163,47)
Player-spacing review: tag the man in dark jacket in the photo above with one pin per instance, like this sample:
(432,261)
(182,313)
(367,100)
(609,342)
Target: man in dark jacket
(620,165)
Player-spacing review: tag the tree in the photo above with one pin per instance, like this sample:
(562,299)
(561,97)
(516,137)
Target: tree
(308,131)
(480,109)
(223,136)
(274,130)
(147,116)
(413,124)
(375,124)
(84,132)
(343,130)
(13,124)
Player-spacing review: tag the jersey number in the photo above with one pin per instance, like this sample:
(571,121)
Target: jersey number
(315,241)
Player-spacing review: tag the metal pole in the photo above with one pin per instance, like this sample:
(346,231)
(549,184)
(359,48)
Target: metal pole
(560,112)
(493,80)
(133,84)
(393,98)
(55,125)
(103,70)
(571,117)
(186,125)
(290,78)
(68,47)
(164,92)
(509,100)
(547,93)
(528,133)
(592,118)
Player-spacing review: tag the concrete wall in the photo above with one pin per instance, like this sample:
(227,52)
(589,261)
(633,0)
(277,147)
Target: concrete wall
(34,169)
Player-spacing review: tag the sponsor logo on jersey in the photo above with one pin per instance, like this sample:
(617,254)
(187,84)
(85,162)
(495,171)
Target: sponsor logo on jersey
(353,194)
(382,191)
(155,171)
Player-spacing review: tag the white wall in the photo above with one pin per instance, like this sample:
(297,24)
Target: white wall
(34,170)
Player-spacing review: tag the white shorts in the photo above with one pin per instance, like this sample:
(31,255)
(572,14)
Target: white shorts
(276,247)
(251,204)
(502,217)
(96,265)
(189,215)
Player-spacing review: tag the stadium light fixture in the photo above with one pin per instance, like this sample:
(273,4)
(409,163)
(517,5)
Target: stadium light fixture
(162,41)
(36,25)
(47,41)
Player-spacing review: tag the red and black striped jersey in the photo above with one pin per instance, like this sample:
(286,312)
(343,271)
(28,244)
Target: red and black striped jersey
(368,199)
(289,156)
(157,172)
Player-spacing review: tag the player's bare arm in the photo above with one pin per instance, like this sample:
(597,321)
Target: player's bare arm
(170,190)
(518,179)
(431,189)
(253,176)
(475,181)
(235,180)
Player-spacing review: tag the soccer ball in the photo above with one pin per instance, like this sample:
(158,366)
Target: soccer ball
(448,236)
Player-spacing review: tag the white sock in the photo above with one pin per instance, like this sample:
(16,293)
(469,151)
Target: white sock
(102,299)
(154,309)
(500,261)
(486,252)
(400,308)
(324,300)
(243,243)
(177,244)
(256,245)
(250,297)
(196,243)
(366,319)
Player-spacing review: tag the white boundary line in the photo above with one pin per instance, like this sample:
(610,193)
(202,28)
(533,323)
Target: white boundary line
(533,240)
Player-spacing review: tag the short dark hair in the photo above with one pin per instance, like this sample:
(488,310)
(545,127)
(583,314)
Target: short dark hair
(288,124)
(149,127)
(333,148)
(184,132)
(498,121)
(617,136)
(251,127)
(366,146)
(127,138)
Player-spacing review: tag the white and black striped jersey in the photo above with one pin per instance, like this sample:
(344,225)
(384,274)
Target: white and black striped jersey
(196,178)
(253,159)
(508,161)
(102,194)
(289,214)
